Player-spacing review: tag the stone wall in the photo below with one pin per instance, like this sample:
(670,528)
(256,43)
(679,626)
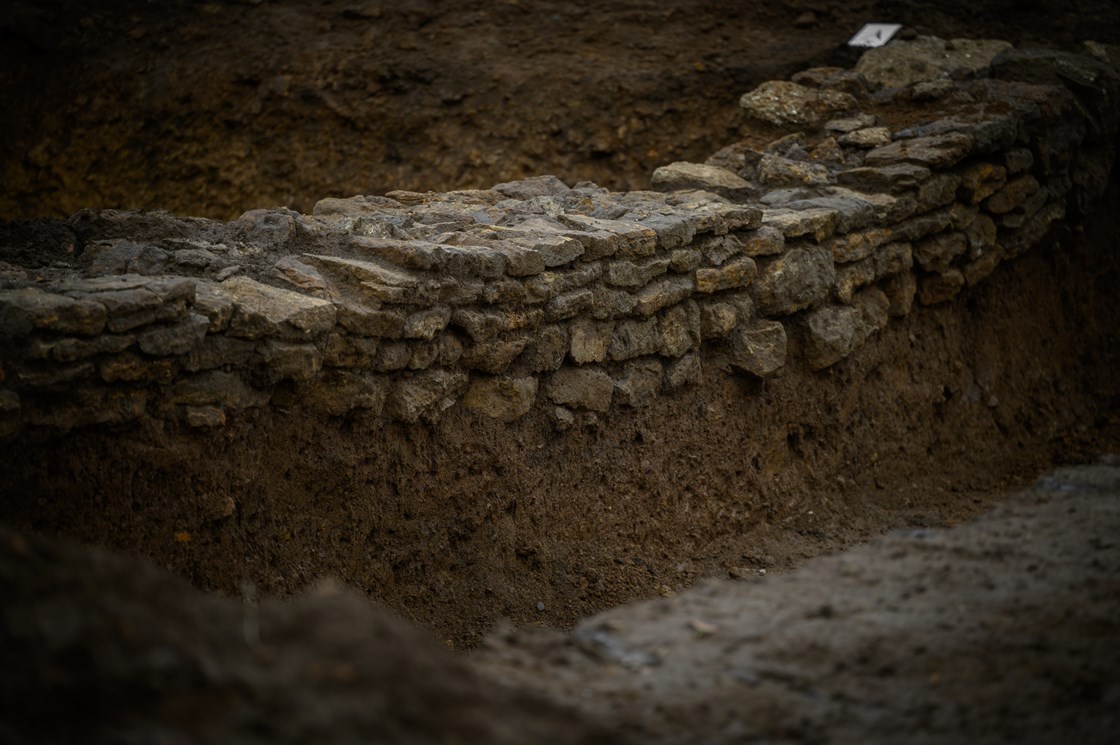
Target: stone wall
(855,194)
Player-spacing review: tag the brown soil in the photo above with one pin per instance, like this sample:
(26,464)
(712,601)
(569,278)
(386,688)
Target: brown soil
(212,109)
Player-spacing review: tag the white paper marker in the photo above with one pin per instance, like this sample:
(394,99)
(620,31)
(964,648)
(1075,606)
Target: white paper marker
(874,34)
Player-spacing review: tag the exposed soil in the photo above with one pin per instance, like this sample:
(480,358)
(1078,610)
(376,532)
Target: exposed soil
(212,109)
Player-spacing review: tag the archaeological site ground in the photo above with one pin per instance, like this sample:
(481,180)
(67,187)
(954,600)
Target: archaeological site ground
(535,371)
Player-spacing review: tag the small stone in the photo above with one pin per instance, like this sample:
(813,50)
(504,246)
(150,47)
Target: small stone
(830,331)
(680,329)
(338,392)
(625,273)
(777,171)
(900,290)
(634,339)
(427,323)
(494,356)
(569,304)
(938,151)
(937,288)
(301,276)
(850,124)
(717,320)
(937,252)
(581,388)
(163,341)
(767,240)
(683,372)
(506,399)
(980,180)
(781,103)
(425,395)
(818,222)
(205,417)
(287,361)
(808,19)
(217,388)
(546,350)
(590,341)
(1014,194)
(260,310)
(759,349)
(32,308)
(682,175)
(131,368)
(867,138)
(895,178)
(800,278)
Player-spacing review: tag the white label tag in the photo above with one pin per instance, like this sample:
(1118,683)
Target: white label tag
(874,34)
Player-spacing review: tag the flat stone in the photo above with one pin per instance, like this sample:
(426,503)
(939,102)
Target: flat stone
(767,240)
(425,395)
(549,284)
(672,230)
(777,171)
(30,308)
(634,339)
(800,278)
(939,151)
(927,58)
(302,276)
(635,240)
(204,417)
(72,350)
(459,261)
(937,191)
(662,293)
(758,349)
(937,252)
(503,398)
(164,341)
(818,222)
(426,324)
(535,186)
(590,341)
(610,303)
(781,103)
(626,273)
(482,325)
(569,304)
(980,180)
(850,124)
(1012,195)
(338,392)
(892,258)
(494,356)
(282,360)
(682,175)
(581,388)
(857,246)
(343,350)
(362,321)
(215,304)
(867,138)
(733,275)
(132,368)
(261,310)
(895,178)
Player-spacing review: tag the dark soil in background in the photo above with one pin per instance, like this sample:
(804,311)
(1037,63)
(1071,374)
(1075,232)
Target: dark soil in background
(211,109)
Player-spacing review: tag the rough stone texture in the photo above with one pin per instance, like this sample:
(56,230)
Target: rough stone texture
(402,304)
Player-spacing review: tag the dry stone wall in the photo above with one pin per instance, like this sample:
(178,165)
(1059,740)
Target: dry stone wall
(855,194)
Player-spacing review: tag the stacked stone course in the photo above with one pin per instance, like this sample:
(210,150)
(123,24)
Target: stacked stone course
(575,299)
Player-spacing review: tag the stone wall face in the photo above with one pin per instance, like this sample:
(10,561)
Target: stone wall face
(531,293)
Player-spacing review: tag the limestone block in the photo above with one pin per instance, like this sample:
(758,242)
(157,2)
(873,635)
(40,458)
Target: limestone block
(758,348)
(781,103)
(681,175)
(1014,194)
(687,259)
(850,123)
(976,271)
(73,349)
(937,288)
(426,324)
(717,320)
(981,235)
(767,240)
(625,273)
(132,368)
(362,321)
(679,327)
(379,280)
(919,227)
(736,274)
(636,240)
(819,222)
(857,246)
(338,392)
(425,395)
(85,406)
(127,308)
(260,310)
(800,278)
(569,304)
(937,252)
(890,259)
(521,261)
(54,376)
(494,356)
(634,339)
(715,250)
(443,351)
(204,417)
(1018,160)
(219,351)
(281,360)
(504,291)
(936,151)
(216,387)
(590,341)
(980,180)
(504,398)
(549,284)
(163,341)
(303,277)
(774,170)
(459,261)
(392,355)
(867,138)
(830,331)
(927,58)
(672,230)
(641,381)
(555,248)
(683,372)
(894,178)
(30,308)
(213,303)
(546,350)
(608,303)
(662,293)
(580,388)
(937,191)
